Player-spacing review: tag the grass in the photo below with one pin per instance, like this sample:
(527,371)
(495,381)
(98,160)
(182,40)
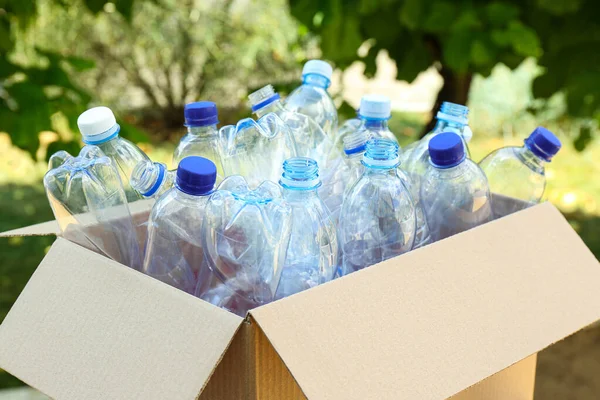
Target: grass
(23,201)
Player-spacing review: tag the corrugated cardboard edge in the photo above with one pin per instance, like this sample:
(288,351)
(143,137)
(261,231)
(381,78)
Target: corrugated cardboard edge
(297,311)
(86,327)
(41,229)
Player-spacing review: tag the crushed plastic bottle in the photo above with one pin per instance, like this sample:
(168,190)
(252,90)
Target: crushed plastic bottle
(312,253)
(256,149)
(454,192)
(152,179)
(174,252)
(312,98)
(246,235)
(99,127)
(311,141)
(90,206)
(520,172)
(202,137)
(378,219)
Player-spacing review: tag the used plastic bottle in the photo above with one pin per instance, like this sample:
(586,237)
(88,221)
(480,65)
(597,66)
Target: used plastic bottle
(90,206)
(246,235)
(312,253)
(174,252)
(256,149)
(311,141)
(520,172)
(378,218)
(451,118)
(454,192)
(99,127)
(152,179)
(312,98)
(202,137)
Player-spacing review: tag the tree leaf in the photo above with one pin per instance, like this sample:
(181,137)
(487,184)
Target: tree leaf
(438,16)
(412,13)
(125,8)
(560,7)
(583,139)
(499,13)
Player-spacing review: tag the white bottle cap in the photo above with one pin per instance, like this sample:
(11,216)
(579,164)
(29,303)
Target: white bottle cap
(375,106)
(319,67)
(96,122)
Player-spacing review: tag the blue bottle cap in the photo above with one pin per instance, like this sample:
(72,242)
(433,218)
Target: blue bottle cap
(201,113)
(543,143)
(196,176)
(446,150)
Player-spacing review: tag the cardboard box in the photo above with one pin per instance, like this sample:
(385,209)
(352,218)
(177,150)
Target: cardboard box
(462,318)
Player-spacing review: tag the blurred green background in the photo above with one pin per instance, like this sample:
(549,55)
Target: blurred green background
(515,64)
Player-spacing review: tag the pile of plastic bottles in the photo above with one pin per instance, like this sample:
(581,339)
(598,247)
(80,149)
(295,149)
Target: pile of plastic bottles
(276,205)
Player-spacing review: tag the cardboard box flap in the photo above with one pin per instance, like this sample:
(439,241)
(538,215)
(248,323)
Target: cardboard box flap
(86,327)
(437,320)
(42,229)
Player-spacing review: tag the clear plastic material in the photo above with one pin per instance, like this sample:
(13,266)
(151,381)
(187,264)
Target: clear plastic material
(246,234)
(313,100)
(378,219)
(152,179)
(455,199)
(348,127)
(312,254)
(90,206)
(256,149)
(515,172)
(311,141)
(201,141)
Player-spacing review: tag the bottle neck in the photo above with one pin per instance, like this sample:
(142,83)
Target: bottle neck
(274,106)
(375,124)
(452,172)
(190,198)
(203,131)
(531,160)
(291,194)
(452,126)
(316,80)
(377,171)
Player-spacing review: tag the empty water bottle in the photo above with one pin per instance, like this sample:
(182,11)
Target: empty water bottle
(313,250)
(348,127)
(454,191)
(99,127)
(90,206)
(246,234)
(202,137)
(174,251)
(519,172)
(256,149)
(152,179)
(375,111)
(311,141)
(312,98)
(378,219)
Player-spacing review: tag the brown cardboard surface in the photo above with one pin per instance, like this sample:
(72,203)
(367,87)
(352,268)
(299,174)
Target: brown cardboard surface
(86,327)
(516,382)
(42,229)
(441,318)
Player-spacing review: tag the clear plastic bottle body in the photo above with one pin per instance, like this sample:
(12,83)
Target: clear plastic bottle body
(378,129)
(517,173)
(312,254)
(202,141)
(349,127)
(312,99)
(455,199)
(174,252)
(126,156)
(311,141)
(246,234)
(377,220)
(90,205)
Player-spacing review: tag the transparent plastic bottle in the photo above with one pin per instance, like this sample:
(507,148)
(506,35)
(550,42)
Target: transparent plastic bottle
(152,179)
(520,172)
(90,206)
(256,149)
(311,141)
(378,219)
(99,127)
(246,234)
(348,127)
(451,118)
(202,137)
(312,98)
(312,253)
(174,252)
(454,193)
